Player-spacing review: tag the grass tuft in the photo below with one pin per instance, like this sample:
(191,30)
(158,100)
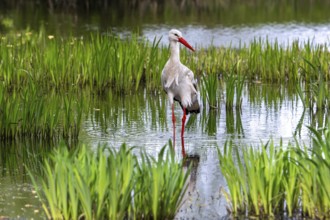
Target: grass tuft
(109,184)
(275,181)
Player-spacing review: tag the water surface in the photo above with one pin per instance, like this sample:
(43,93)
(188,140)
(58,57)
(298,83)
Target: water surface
(205,23)
(238,36)
(143,120)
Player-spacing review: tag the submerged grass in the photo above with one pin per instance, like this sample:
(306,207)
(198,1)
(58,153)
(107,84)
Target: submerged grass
(276,181)
(109,184)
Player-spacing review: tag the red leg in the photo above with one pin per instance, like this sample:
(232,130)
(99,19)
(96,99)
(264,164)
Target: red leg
(183,149)
(173,120)
(183,121)
(182,132)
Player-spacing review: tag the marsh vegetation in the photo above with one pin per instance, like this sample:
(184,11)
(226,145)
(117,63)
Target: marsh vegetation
(69,100)
(49,84)
(270,180)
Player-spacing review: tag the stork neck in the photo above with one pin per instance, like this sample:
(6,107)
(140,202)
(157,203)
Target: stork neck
(175,51)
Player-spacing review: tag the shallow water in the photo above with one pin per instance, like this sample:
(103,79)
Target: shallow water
(19,200)
(144,120)
(139,123)
(218,23)
(242,35)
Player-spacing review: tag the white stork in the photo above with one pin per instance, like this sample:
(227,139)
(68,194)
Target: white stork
(179,83)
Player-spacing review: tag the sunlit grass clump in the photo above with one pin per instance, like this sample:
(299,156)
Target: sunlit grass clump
(109,184)
(277,180)
(99,61)
(108,61)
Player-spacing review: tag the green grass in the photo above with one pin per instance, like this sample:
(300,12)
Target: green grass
(100,61)
(209,90)
(33,115)
(276,180)
(315,95)
(56,115)
(109,62)
(32,64)
(109,184)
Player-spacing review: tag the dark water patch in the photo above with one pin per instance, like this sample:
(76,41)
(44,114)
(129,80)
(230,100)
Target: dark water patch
(219,23)
(18,198)
(134,14)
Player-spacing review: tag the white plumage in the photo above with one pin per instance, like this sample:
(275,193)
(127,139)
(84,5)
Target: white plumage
(178,80)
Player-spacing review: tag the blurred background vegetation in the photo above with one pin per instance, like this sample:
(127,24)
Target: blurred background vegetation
(132,14)
(129,4)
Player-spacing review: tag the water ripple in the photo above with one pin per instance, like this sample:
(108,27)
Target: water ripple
(236,36)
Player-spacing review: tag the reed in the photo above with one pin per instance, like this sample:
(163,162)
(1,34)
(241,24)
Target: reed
(106,63)
(230,91)
(319,190)
(209,90)
(99,61)
(28,114)
(239,91)
(234,89)
(237,186)
(110,184)
(276,180)
(121,64)
(162,186)
(315,94)
(258,187)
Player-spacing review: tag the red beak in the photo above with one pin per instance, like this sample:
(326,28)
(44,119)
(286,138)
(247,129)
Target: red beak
(184,42)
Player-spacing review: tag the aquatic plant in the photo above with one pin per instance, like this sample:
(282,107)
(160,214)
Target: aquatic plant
(275,180)
(230,91)
(234,88)
(100,62)
(29,114)
(315,190)
(257,187)
(107,63)
(161,183)
(111,62)
(209,90)
(315,94)
(239,90)
(109,184)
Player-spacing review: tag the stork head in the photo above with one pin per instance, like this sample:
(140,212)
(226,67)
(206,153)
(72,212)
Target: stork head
(176,36)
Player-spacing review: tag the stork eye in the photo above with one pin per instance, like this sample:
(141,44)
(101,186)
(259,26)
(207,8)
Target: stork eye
(176,35)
